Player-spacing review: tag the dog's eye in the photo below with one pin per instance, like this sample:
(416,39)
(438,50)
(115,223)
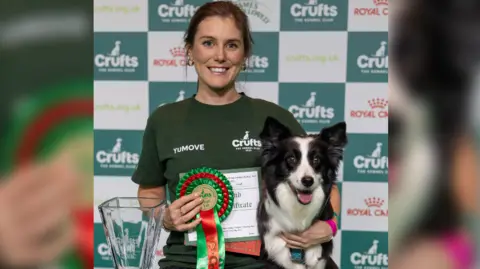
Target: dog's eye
(291,160)
(316,160)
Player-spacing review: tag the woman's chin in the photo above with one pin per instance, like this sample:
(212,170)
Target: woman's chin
(219,85)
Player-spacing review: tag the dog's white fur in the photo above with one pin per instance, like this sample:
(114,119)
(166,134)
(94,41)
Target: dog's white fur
(292,216)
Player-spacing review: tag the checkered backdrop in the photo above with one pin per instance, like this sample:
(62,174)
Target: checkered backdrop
(323,60)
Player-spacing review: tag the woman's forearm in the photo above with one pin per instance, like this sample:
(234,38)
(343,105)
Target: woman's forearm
(335,201)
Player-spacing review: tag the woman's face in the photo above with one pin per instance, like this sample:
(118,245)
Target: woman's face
(217,52)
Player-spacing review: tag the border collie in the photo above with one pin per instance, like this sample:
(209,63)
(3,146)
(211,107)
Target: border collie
(298,173)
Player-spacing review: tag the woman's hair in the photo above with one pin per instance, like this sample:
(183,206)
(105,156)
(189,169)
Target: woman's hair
(223,9)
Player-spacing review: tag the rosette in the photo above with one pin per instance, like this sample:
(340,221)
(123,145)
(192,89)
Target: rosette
(217,194)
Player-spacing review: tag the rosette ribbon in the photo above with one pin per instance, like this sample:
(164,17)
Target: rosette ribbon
(217,194)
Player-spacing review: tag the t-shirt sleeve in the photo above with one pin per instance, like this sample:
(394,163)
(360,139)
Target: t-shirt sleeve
(289,120)
(150,169)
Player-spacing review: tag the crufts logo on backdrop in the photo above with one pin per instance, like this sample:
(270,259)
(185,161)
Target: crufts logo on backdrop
(367,57)
(364,250)
(120,56)
(315,106)
(366,158)
(117,152)
(171,15)
(314,15)
(263,64)
(162,93)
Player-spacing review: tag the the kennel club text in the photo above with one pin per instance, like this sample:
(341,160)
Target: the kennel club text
(241,223)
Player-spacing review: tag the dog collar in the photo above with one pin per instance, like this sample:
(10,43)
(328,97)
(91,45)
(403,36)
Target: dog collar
(297,255)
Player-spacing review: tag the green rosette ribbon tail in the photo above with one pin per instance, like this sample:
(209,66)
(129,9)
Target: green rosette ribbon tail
(217,194)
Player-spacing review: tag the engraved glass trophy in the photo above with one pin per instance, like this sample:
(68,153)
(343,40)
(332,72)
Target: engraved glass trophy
(132,226)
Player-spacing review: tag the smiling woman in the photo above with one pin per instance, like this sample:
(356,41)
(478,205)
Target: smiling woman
(218,44)
(217,128)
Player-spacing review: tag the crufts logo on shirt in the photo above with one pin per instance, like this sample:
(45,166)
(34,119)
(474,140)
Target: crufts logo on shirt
(247,143)
(193,147)
(370,259)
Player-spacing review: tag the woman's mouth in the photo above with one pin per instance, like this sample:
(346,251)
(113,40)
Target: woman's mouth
(218,70)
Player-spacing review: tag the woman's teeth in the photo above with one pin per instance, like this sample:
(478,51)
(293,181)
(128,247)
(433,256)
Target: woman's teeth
(218,70)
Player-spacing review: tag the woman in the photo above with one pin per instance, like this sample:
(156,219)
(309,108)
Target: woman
(218,42)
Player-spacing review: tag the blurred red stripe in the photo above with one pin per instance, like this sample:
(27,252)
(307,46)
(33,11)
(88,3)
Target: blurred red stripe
(46,121)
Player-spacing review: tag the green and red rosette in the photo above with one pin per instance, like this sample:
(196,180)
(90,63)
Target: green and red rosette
(218,196)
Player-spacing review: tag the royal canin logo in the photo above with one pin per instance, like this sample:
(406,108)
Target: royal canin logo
(178,58)
(374,208)
(378,110)
(380,2)
(380,9)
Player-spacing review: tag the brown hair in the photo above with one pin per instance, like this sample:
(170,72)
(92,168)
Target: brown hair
(223,9)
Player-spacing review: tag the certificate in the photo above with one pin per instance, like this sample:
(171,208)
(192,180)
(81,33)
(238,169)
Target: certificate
(241,224)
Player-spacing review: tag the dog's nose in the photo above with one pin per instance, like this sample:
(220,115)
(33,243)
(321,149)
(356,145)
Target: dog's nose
(307,181)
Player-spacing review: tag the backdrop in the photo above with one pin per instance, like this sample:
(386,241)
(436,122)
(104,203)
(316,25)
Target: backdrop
(324,60)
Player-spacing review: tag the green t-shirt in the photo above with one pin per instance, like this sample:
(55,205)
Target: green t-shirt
(188,134)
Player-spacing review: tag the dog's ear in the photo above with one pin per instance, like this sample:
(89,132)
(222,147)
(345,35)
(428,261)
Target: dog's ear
(274,131)
(336,137)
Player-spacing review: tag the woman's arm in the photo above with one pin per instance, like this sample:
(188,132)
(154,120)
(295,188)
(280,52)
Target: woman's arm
(335,201)
(152,192)
(319,232)
(157,192)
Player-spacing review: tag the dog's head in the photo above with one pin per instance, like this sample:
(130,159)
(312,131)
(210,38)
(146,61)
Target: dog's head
(303,165)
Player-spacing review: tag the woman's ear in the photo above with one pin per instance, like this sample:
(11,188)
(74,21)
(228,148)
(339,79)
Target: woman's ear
(188,50)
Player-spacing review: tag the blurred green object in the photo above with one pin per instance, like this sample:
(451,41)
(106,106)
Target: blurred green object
(72,122)
(71,261)
(45,63)
(45,121)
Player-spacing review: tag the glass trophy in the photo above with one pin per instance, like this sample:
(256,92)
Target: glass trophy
(132,227)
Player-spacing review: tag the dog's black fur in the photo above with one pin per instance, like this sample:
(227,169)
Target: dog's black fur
(325,151)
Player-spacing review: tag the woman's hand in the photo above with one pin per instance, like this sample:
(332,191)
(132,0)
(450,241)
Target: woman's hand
(35,222)
(181,211)
(320,232)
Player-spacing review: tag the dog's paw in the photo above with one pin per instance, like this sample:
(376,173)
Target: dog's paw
(322,264)
(275,245)
(312,257)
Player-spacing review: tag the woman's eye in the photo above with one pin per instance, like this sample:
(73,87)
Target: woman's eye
(232,45)
(207,43)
